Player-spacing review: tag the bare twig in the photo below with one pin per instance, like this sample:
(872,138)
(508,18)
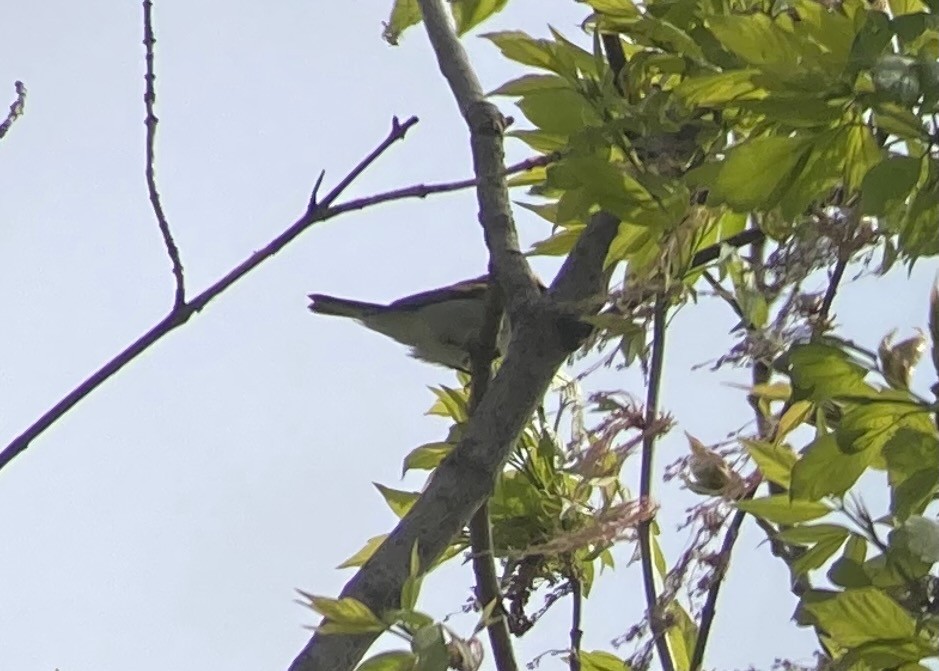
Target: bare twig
(710,603)
(424,190)
(17,107)
(577,602)
(834,281)
(149,99)
(181,314)
(656,367)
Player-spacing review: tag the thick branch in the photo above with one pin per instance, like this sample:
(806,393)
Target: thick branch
(486,126)
(464,480)
(181,314)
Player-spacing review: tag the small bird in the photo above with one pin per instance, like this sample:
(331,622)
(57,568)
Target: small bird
(440,325)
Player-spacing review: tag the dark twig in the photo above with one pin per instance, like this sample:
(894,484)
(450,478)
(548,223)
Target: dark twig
(424,190)
(577,603)
(645,481)
(480,528)
(710,603)
(17,107)
(181,314)
(149,99)
(833,282)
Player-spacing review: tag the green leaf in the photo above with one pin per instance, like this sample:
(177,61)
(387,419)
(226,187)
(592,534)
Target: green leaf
(469,13)
(848,570)
(531,84)
(431,648)
(756,173)
(351,613)
(615,8)
(888,184)
(598,660)
(404,14)
(774,461)
(820,170)
(426,457)
(367,551)
(522,48)
(822,372)
(393,660)
(450,403)
(398,500)
(721,89)
(825,470)
(913,470)
(780,510)
(604,182)
(758,40)
(870,426)
(858,616)
(559,111)
(559,244)
(814,533)
(681,634)
(816,556)
(863,153)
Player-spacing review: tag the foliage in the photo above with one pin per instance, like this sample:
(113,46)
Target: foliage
(692,121)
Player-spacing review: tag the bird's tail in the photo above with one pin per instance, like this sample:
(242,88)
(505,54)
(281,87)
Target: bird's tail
(341,307)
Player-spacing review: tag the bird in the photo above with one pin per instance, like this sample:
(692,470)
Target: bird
(440,326)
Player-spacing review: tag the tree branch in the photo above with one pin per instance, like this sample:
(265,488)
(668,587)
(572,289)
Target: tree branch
(540,344)
(181,314)
(577,602)
(645,482)
(17,107)
(488,589)
(486,125)
(149,99)
(424,190)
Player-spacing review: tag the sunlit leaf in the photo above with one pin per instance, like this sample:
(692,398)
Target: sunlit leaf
(825,470)
(780,510)
(467,14)
(404,14)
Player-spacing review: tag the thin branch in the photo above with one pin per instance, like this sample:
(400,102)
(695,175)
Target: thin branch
(577,602)
(833,282)
(645,480)
(710,603)
(149,99)
(761,375)
(488,589)
(181,314)
(424,190)
(17,107)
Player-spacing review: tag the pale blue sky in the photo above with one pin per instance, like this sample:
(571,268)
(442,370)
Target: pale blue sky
(164,523)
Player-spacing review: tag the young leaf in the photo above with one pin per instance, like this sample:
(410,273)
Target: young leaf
(780,510)
(398,500)
(393,660)
(404,14)
(825,470)
(598,660)
(367,551)
(345,615)
(774,461)
(469,13)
